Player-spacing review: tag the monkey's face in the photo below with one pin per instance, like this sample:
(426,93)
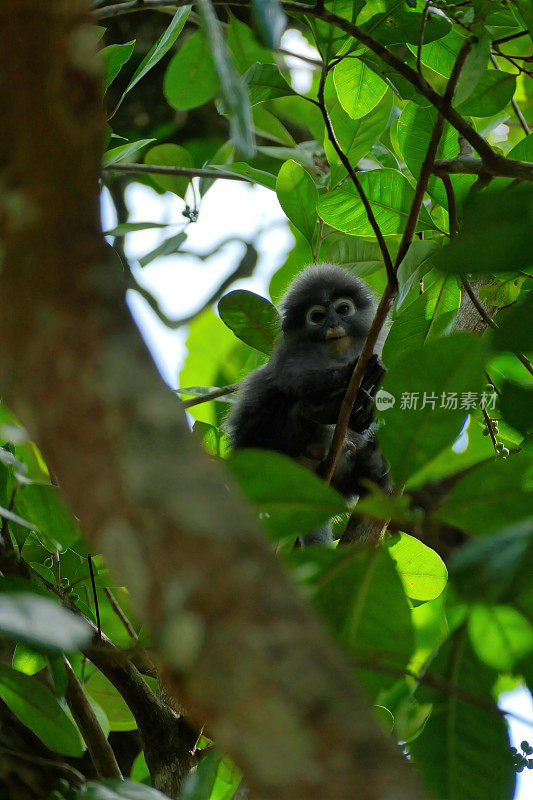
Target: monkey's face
(337,322)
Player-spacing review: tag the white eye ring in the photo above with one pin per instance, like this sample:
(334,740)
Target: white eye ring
(315,311)
(344,301)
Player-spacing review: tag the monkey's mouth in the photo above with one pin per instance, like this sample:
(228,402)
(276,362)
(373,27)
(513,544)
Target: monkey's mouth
(335,333)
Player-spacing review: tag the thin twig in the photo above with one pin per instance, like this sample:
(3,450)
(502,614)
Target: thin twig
(391,277)
(95,596)
(120,614)
(423,22)
(216,393)
(187,172)
(510,37)
(100,750)
(519,115)
(490,322)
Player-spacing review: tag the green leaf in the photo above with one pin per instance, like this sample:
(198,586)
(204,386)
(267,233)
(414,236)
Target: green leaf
(523,151)
(411,437)
(115,56)
(516,403)
(119,790)
(463,751)
(265,82)
(125,152)
(473,69)
(362,601)
(43,507)
(489,497)
(440,56)
(216,777)
(298,197)
(431,314)
(213,439)
(493,92)
(252,318)
(415,265)
(27,660)
(161,47)
(499,635)
(131,227)
(355,137)
(244,47)
(359,89)
(241,168)
(166,248)
(270,21)
(191,78)
(38,709)
(41,623)
(422,571)
(515,331)
(119,715)
(403,26)
(497,234)
(290,499)
(415,127)
(170,155)
(390,194)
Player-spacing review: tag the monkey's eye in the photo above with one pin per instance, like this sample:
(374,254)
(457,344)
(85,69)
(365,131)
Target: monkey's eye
(316,315)
(344,307)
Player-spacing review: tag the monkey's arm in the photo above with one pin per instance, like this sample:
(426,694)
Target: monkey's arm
(325,408)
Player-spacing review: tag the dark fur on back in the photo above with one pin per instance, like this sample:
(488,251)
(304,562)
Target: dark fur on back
(320,284)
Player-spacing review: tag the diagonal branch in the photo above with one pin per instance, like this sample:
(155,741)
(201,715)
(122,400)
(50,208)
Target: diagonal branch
(391,277)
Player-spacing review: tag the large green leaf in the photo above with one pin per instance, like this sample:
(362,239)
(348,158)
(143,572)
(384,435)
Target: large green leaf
(170,155)
(515,331)
(415,127)
(363,603)
(359,89)
(290,499)
(191,78)
(298,197)
(403,26)
(390,194)
(500,635)
(41,623)
(43,507)
(411,437)
(497,234)
(117,712)
(422,571)
(493,92)
(265,82)
(355,137)
(39,709)
(251,317)
(432,313)
(490,496)
(244,47)
(463,751)
(440,56)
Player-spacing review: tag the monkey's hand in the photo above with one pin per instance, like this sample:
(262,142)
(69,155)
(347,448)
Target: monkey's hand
(363,409)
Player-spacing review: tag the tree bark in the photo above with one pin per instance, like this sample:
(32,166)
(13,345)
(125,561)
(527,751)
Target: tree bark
(239,646)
